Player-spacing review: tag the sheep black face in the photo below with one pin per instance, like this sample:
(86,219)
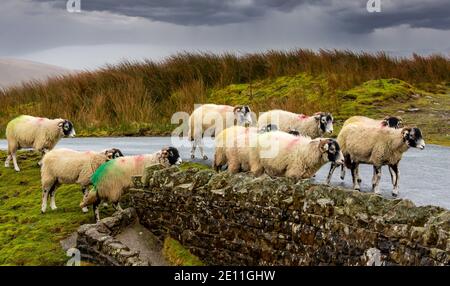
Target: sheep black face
(172,155)
(413,137)
(67,128)
(243,115)
(325,121)
(268,128)
(294,132)
(392,122)
(113,153)
(332,150)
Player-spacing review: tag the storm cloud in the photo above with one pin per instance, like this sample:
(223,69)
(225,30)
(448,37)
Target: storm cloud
(107,31)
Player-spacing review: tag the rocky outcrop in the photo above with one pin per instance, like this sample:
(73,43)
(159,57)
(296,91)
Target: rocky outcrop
(242,220)
(97,242)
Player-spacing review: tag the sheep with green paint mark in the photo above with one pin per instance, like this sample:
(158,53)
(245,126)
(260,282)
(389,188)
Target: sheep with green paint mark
(65,166)
(41,134)
(114,177)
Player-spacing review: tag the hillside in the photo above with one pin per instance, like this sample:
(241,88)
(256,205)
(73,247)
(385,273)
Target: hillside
(16,71)
(134,99)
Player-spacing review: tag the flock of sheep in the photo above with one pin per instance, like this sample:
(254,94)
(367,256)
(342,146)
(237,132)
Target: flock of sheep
(281,144)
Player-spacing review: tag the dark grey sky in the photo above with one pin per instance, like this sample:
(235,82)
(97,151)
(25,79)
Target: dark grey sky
(107,31)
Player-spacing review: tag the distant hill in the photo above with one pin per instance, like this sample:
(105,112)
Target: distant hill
(16,71)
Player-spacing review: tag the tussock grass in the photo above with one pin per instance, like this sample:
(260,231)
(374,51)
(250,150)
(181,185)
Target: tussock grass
(139,98)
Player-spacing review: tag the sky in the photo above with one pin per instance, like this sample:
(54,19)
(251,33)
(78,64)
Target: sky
(109,31)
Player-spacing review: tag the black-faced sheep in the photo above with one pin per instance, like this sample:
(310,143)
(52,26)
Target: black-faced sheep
(38,133)
(65,166)
(388,121)
(376,146)
(114,177)
(312,126)
(282,154)
(211,119)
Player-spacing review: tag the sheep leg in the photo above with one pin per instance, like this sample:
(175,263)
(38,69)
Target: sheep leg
(395,172)
(342,172)
(194,145)
(85,194)
(200,146)
(96,209)
(52,197)
(8,159)
(376,179)
(14,158)
(330,173)
(354,171)
(44,200)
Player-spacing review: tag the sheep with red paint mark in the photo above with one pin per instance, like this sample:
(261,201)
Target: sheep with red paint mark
(65,166)
(114,177)
(41,134)
(281,154)
(387,122)
(211,119)
(314,126)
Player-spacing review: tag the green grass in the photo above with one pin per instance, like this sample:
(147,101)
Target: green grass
(28,237)
(186,165)
(177,255)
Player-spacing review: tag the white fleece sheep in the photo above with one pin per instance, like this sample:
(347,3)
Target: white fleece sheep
(377,146)
(114,177)
(388,121)
(211,119)
(281,154)
(38,133)
(312,126)
(65,166)
(232,148)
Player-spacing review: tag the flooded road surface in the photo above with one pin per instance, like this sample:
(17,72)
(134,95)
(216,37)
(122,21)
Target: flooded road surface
(424,175)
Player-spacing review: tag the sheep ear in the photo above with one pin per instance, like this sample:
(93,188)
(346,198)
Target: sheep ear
(237,109)
(385,121)
(323,145)
(61,124)
(405,132)
(317,116)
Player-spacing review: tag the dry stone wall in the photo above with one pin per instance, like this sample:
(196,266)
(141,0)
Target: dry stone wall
(242,220)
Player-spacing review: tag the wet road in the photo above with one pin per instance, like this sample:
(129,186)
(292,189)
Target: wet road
(424,175)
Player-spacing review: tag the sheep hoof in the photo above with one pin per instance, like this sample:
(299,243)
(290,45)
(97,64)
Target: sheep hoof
(54,208)
(17,169)
(342,177)
(205,157)
(359,180)
(394,195)
(192,156)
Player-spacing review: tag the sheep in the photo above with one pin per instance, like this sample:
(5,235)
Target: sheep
(388,121)
(114,177)
(378,147)
(231,147)
(281,154)
(312,126)
(38,133)
(65,166)
(211,119)
(232,144)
